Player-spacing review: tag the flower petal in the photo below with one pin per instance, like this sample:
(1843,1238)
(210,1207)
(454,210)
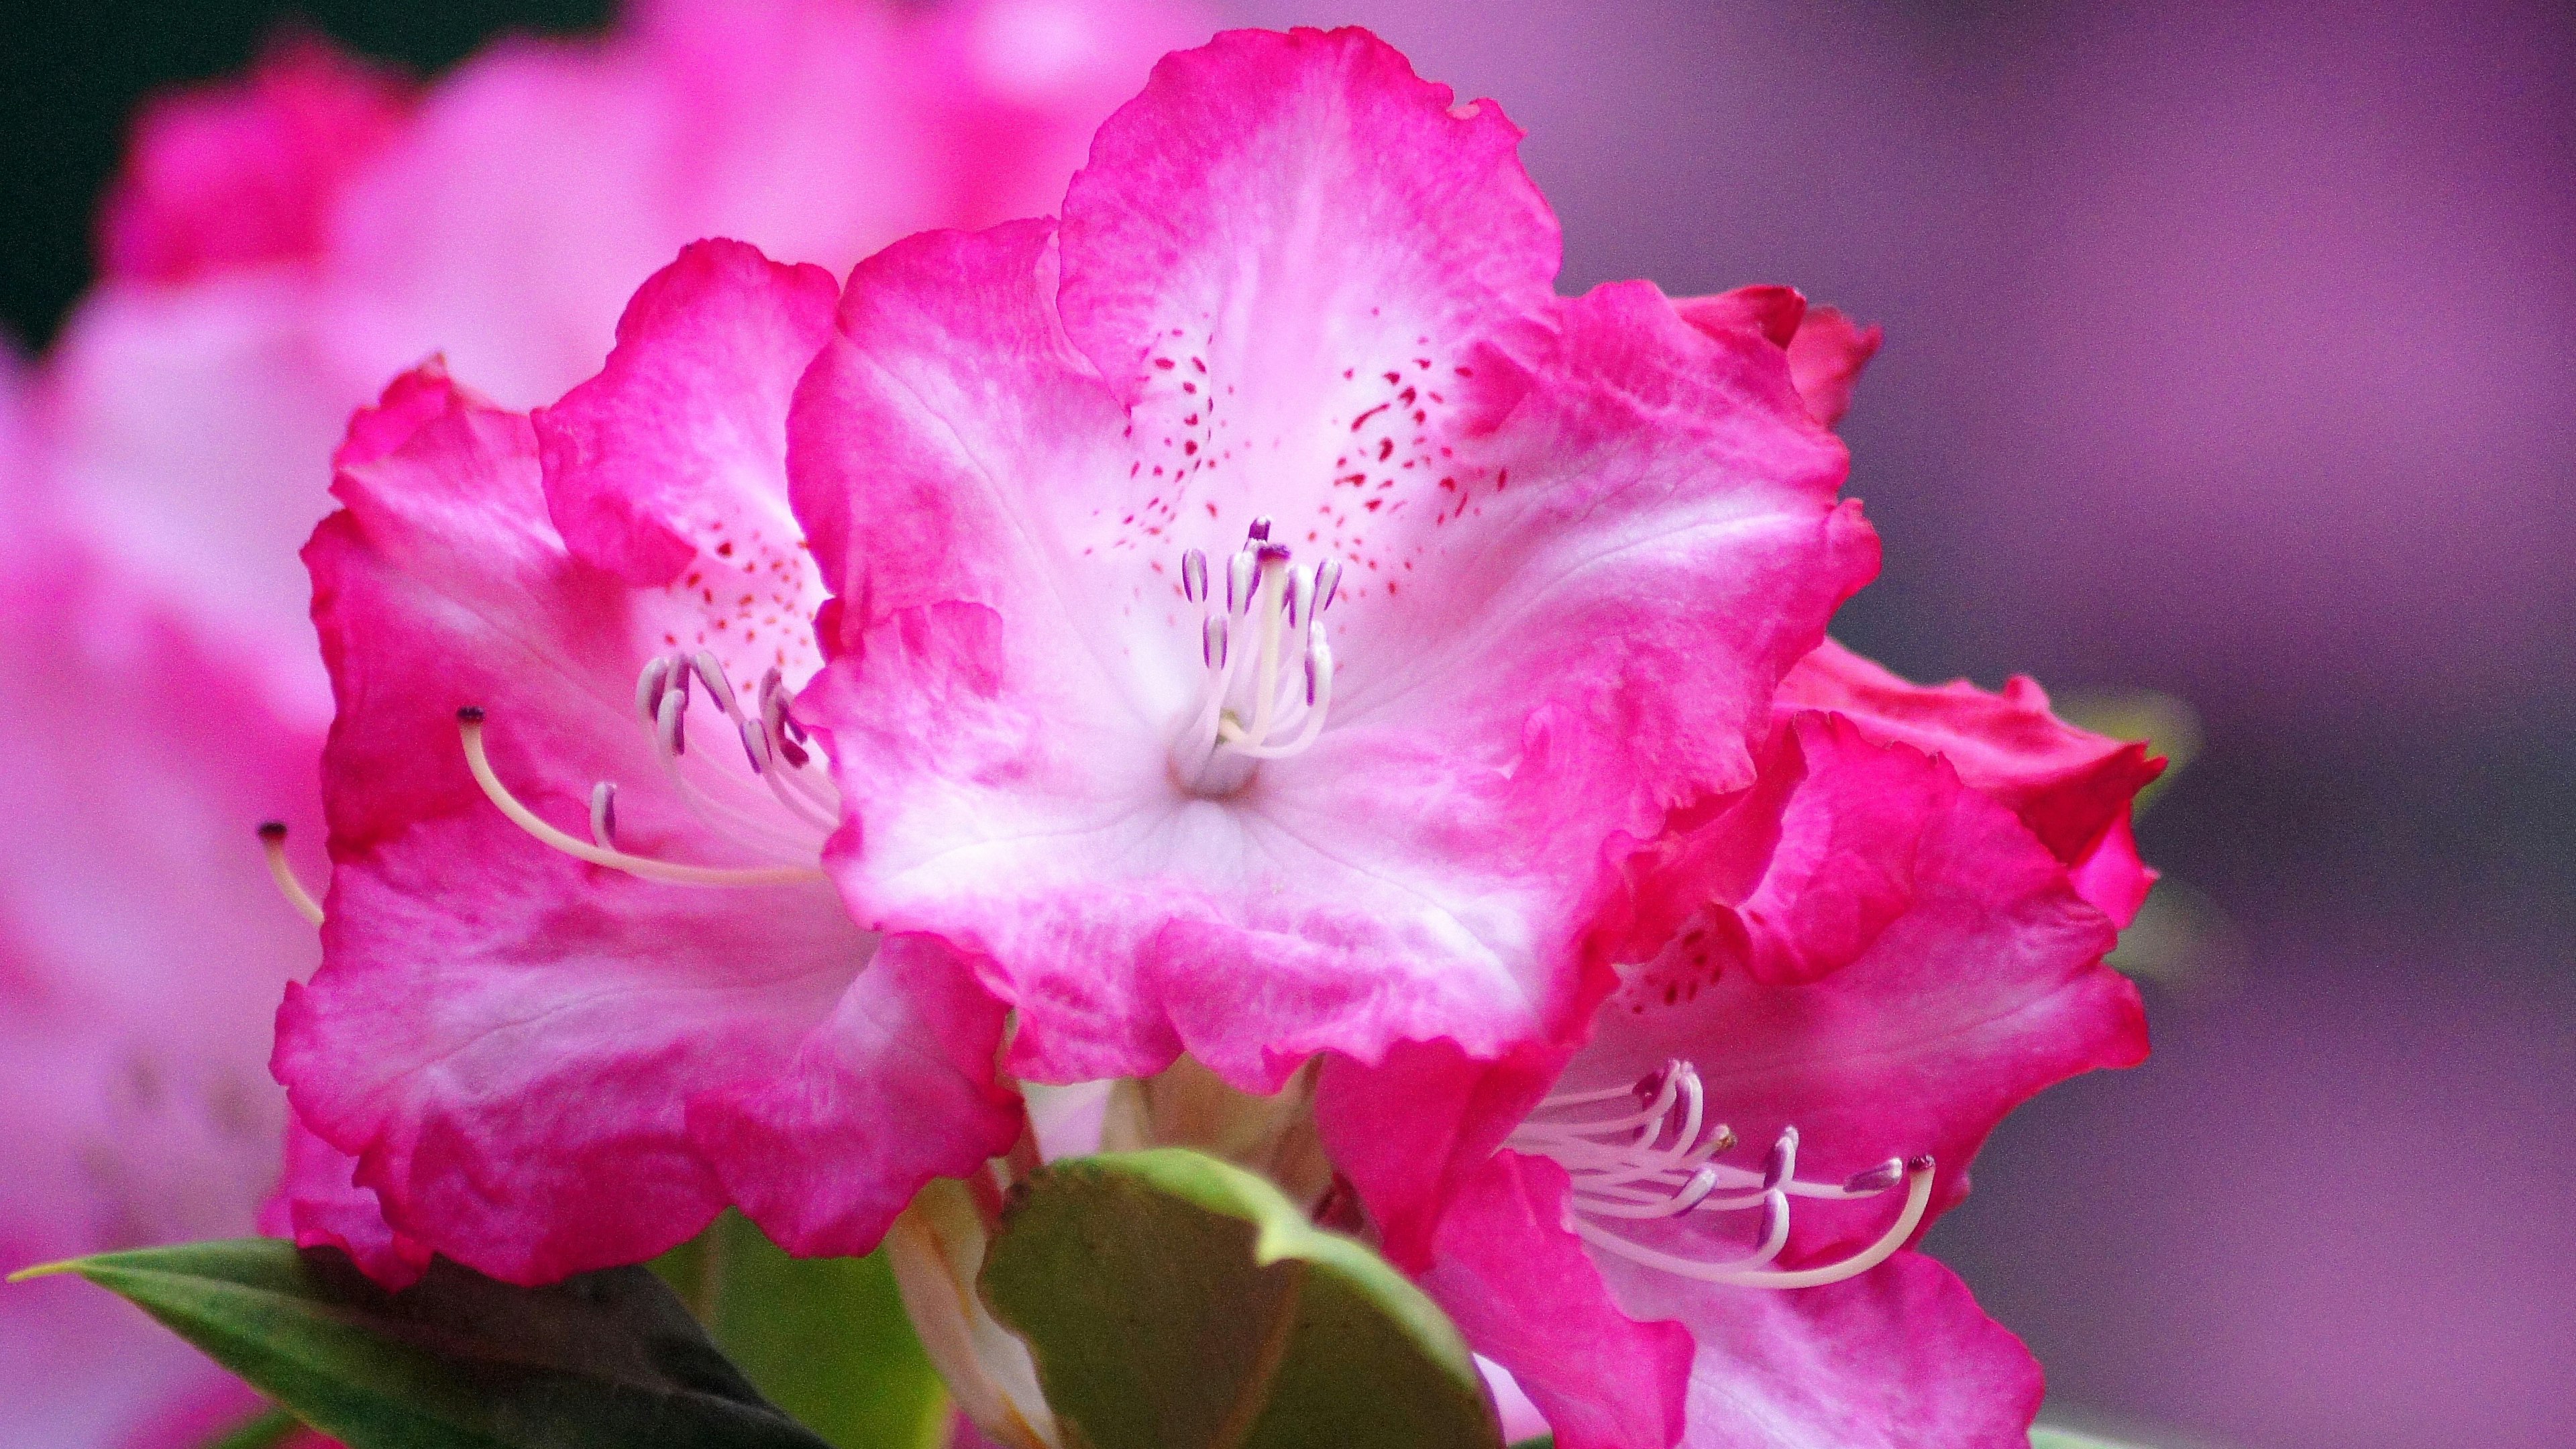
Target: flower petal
(2067,784)
(1338,215)
(1898,1358)
(1524,1291)
(319,1204)
(1825,360)
(669,469)
(1826,349)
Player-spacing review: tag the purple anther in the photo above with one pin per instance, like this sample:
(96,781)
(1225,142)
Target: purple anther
(755,746)
(1651,1085)
(1310,679)
(1212,644)
(681,674)
(1775,1215)
(1301,593)
(1876,1179)
(1328,581)
(1271,553)
(1782,1160)
(1194,578)
(1240,571)
(1260,531)
(792,752)
(603,814)
(650,684)
(1919,1164)
(1701,1184)
(672,725)
(719,688)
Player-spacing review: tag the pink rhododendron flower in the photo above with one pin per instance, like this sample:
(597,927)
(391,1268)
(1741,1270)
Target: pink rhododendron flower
(583,983)
(1692,1228)
(1262,606)
(278,247)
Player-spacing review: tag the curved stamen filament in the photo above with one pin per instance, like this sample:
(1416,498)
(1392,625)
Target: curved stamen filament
(469,727)
(1745,1272)
(272,843)
(1656,1164)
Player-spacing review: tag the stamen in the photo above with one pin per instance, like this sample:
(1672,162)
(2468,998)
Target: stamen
(272,843)
(1239,572)
(469,727)
(1742,1274)
(719,688)
(1266,696)
(1657,1164)
(650,684)
(603,814)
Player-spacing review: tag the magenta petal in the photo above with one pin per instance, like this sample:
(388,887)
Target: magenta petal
(1825,359)
(1773,311)
(809,1154)
(1406,1130)
(1826,350)
(319,1204)
(1526,1294)
(2111,877)
(676,454)
(1898,1358)
(2067,784)
(1333,199)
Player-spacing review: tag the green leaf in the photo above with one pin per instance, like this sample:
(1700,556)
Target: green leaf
(824,1338)
(1175,1302)
(458,1362)
(1543,1441)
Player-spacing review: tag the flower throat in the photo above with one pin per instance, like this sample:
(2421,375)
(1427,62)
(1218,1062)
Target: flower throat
(1268,680)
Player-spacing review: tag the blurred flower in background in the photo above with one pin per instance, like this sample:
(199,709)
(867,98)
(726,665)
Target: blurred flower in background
(274,249)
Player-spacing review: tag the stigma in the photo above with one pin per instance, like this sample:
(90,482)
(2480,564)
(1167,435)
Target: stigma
(1659,1162)
(775,804)
(1267,669)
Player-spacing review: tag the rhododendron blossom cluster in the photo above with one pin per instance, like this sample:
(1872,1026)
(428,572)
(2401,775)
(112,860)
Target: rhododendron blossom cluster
(1240,662)
(1248,619)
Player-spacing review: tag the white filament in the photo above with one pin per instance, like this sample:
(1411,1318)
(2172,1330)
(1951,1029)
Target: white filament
(785,816)
(1658,1163)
